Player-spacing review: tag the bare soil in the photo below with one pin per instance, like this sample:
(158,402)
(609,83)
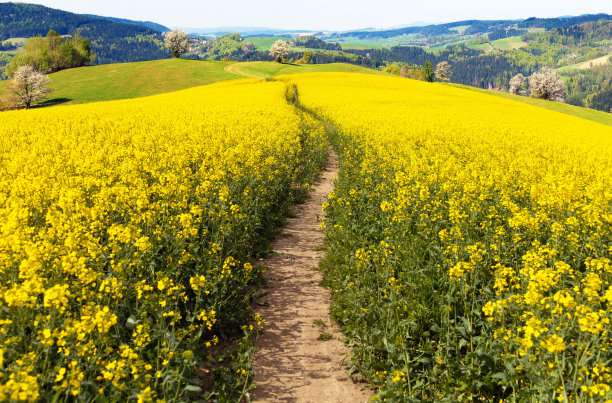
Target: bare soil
(294,362)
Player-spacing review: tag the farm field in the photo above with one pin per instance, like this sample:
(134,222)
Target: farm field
(469,241)
(131,80)
(510,43)
(584,113)
(485,47)
(270,69)
(263,43)
(12,41)
(588,64)
(127,232)
(362,45)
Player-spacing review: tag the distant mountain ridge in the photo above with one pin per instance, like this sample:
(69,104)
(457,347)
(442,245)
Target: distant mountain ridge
(476,26)
(147,24)
(245,31)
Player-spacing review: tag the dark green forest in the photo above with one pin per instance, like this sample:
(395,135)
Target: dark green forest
(110,41)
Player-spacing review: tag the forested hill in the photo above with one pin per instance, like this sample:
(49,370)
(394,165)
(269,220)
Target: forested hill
(477,27)
(111,41)
(561,22)
(148,24)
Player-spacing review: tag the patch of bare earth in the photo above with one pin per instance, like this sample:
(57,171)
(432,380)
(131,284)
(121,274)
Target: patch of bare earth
(293,363)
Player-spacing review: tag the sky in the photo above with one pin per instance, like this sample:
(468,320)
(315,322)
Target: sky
(322,14)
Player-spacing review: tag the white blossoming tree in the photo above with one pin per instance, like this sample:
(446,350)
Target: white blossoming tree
(547,84)
(177,42)
(517,84)
(27,85)
(279,50)
(443,72)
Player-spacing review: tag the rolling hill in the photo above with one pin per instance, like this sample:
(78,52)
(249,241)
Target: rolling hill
(140,79)
(270,69)
(133,80)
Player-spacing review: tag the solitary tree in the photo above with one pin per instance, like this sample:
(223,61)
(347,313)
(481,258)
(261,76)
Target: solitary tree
(547,84)
(177,42)
(279,50)
(517,84)
(428,71)
(28,85)
(443,72)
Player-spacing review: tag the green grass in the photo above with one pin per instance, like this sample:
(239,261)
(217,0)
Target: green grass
(270,69)
(132,80)
(263,43)
(12,41)
(584,113)
(485,47)
(325,336)
(12,52)
(361,45)
(460,29)
(356,43)
(512,42)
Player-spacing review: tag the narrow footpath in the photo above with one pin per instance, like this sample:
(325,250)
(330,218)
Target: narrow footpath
(292,363)
(234,68)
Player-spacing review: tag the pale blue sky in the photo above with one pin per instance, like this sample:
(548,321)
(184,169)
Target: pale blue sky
(322,14)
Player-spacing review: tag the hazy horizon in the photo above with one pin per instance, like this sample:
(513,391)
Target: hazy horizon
(320,14)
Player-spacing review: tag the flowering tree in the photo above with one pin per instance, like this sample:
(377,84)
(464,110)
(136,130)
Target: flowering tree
(547,84)
(279,50)
(443,72)
(517,83)
(27,85)
(177,42)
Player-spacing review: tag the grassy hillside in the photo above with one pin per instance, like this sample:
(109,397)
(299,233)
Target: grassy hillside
(132,80)
(587,64)
(512,42)
(263,43)
(269,69)
(584,113)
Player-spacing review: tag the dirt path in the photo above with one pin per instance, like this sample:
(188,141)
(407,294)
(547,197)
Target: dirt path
(292,364)
(234,68)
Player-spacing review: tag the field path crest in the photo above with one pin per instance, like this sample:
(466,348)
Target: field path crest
(234,68)
(292,364)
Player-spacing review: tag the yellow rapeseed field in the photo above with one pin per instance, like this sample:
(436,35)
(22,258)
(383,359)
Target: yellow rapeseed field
(125,233)
(470,241)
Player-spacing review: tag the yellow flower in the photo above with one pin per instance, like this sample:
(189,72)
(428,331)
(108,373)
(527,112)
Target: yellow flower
(554,344)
